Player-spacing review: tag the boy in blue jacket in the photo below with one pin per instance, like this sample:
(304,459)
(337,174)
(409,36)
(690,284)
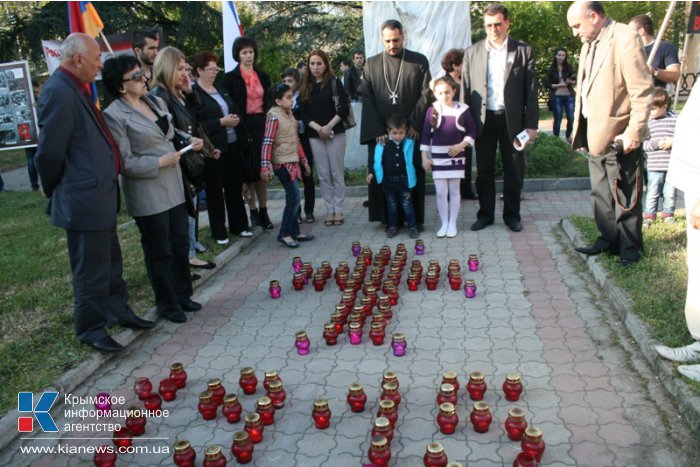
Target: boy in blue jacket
(393,168)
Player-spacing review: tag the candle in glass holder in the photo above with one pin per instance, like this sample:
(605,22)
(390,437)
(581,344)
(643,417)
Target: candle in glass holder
(447,419)
(338,321)
(122,437)
(270,376)
(105,457)
(302,343)
(356,397)
(266,410)
(307,269)
(359,311)
(417,266)
(275,289)
(377,333)
(512,387)
(431,280)
(254,427)
(277,394)
(412,282)
(330,334)
(242,447)
(476,387)
(297,264)
(178,374)
(355,333)
(213,457)
(533,443)
(103,403)
(367,255)
(136,421)
(515,424)
(390,377)
(367,305)
(378,317)
(319,282)
(382,427)
(393,294)
(435,265)
(356,248)
(385,310)
(420,247)
(398,344)
(298,281)
(321,414)
(379,452)
(447,393)
(451,378)
(327,269)
(142,387)
(454,265)
(387,409)
(167,389)
(481,417)
(473,263)
(469,288)
(248,381)
(391,392)
(525,459)
(153,401)
(207,405)
(184,455)
(232,408)
(217,390)
(455,280)
(341,280)
(435,455)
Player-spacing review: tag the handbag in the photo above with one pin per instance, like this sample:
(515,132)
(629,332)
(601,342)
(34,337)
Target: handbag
(250,159)
(191,162)
(349,121)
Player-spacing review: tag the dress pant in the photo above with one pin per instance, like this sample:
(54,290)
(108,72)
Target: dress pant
(223,179)
(165,242)
(329,157)
(495,136)
(98,288)
(465,184)
(308,180)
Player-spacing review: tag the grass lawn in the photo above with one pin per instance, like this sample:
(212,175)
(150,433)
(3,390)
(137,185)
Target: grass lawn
(37,341)
(12,159)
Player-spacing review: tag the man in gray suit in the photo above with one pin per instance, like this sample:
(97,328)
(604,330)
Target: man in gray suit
(500,86)
(79,163)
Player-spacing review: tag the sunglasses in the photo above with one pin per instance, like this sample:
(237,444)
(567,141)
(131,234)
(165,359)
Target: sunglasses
(138,76)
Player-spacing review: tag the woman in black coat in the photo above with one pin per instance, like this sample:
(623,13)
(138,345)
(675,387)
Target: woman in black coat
(560,81)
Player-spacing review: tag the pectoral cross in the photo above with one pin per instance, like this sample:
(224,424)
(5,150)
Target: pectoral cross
(393,96)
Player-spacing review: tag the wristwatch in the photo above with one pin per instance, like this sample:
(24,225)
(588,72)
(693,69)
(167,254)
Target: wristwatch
(656,73)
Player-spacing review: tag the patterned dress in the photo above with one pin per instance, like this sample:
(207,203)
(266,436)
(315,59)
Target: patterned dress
(454,125)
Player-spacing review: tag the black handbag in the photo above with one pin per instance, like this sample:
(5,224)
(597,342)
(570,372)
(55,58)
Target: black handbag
(349,121)
(191,162)
(250,159)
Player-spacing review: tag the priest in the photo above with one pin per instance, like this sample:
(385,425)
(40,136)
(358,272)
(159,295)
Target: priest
(395,81)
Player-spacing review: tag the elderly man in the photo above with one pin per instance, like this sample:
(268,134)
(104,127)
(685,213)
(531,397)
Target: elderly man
(499,84)
(78,162)
(612,105)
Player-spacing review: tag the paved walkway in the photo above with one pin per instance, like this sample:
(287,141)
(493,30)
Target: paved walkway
(535,312)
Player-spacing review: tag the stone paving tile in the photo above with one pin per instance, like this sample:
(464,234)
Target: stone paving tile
(534,313)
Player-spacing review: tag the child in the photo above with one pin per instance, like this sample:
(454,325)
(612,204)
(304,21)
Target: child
(292,78)
(393,167)
(281,150)
(447,131)
(662,126)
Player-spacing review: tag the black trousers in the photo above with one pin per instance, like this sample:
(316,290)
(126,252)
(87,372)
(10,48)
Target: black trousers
(465,184)
(165,242)
(620,227)
(99,291)
(308,180)
(223,179)
(495,136)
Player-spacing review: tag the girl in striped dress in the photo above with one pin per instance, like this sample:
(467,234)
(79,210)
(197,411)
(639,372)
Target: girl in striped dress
(448,131)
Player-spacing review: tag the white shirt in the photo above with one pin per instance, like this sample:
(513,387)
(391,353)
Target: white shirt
(496,75)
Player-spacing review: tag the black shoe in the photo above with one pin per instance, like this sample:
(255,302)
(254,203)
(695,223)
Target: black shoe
(310,219)
(105,344)
(480,224)
(207,265)
(191,306)
(625,263)
(515,226)
(254,218)
(413,233)
(365,203)
(589,250)
(391,232)
(304,238)
(265,221)
(195,277)
(175,317)
(137,323)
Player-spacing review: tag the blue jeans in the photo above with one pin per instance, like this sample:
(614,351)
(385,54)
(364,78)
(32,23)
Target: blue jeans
(397,193)
(31,168)
(562,103)
(289,226)
(657,186)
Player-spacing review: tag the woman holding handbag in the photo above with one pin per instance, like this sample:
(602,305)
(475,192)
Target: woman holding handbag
(220,117)
(324,122)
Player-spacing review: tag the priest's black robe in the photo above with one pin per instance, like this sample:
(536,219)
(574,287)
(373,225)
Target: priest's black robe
(414,97)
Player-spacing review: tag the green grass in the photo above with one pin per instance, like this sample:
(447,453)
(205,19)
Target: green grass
(12,159)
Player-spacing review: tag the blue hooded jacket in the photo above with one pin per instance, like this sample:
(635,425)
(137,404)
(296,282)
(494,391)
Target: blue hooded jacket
(408,145)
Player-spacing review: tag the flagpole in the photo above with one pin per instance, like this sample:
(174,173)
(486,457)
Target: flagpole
(104,39)
(660,35)
(680,77)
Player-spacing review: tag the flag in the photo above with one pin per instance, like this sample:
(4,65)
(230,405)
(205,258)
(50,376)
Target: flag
(232,30)
(82,17)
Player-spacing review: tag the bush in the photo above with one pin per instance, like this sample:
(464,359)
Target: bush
(550,157)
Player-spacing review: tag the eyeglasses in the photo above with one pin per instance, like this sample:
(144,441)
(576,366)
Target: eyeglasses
(213,68)
(138,76)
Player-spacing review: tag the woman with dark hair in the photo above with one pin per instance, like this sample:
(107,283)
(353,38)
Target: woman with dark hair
(324,125)
(153,186)
(560,81)
(246,84)
(452,64)
(220,118)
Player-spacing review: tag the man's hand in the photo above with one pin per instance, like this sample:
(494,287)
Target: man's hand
(532,134)
(369,178)
(628,145)
(265,175)
(695,216)
(306,168)
(413,133)
(381,140)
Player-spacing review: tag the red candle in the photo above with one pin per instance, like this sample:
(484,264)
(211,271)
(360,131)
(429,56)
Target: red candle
(412,282)
(447,393)
(481,417)
(391,377)
(217,390)
(178,374)
(207,405)
(122,437)
(254,427)
(533,443)
(382,427)
(476,386)
(213,457)
(512,387)
(525,459)
(387,409)
(330,334)
(379,452)
(515,424)
(307,269)
(142,387)
(455,280)
(367,305)
(390,392)
(385,309)
(153,402)
(136,421)
(341,279)
(242,447)
(338,321)
(431,280)
(377,333)
(393,295)
(167,389)
(298,281)
(270,376)
(277,394)
(447,419)
(248,381)
(184,455)
(319,282)
(435,455)
(451,378)
(356,397)
(266,411)
(104,457)
(232,408)
(321,414)
(327,270)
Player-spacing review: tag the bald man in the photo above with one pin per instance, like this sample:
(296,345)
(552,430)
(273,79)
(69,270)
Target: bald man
(79,163)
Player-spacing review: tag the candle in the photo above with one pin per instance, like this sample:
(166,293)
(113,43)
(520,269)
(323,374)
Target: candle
(254,427)
(481,417)
(242,447)
(447,419)
(435,455)
(213,457)
(420,247)
(275,289)
(473,263)
(207,405)
(398,344)
(533,443)
(184,455)
(302,343)
(178,374)
(232,408)
(136,421)
(277,394)
(356,397)
(512,387)
(515,424)
(476,386)
(167,389)
(321,414)
(379,452)
(217,390)
(142,387)
(469,288)
(248,381)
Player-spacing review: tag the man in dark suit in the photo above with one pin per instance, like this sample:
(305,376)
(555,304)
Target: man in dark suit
(79,163)
(499,84)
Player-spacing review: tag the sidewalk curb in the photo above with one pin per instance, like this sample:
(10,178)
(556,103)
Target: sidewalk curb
(77,375)
(687,402)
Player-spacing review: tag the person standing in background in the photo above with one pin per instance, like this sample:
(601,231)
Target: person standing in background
(145,46)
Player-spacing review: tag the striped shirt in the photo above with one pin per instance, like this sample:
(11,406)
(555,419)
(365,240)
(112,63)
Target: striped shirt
(453,125)
(659,129)
(271,126)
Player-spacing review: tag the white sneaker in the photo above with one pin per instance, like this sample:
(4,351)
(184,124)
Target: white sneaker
(222,242)
(451,232)
(246,234)
(689,353)
(442,232)
(690,371)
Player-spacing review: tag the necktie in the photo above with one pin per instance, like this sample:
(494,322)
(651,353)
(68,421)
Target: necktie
(588,70)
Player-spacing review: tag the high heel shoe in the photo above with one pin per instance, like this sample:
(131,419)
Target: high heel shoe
(254,218)
(265,221)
